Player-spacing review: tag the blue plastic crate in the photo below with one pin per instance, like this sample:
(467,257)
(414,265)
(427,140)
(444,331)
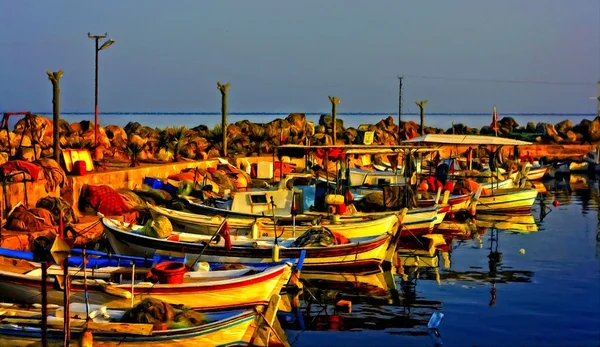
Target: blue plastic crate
(154,183)
(171,189)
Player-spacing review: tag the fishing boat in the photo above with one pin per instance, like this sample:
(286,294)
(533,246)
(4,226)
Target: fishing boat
(513,200)
(22,327)
(367,251)
(21,282)
(244,228)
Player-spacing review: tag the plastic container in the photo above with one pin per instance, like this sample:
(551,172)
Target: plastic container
(264,170)
(170,272)
(154,183)
(334,199)
(79,168)
(171,189)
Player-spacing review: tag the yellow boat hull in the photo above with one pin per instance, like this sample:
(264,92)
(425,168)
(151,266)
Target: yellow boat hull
(507,200)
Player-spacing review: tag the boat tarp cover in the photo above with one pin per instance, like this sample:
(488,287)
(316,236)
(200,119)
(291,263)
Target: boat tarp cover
(466,140)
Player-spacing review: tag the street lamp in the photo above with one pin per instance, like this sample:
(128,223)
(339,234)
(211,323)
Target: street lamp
(105,45)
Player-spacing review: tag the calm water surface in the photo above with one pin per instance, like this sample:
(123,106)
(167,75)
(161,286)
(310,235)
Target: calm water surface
(548,296)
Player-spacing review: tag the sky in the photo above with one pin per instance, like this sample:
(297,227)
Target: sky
(289,56)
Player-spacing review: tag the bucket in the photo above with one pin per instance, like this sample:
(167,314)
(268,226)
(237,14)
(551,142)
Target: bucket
(170,272)
(79,168)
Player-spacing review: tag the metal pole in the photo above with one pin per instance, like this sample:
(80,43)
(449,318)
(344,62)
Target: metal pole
(223,88)
(334,101)
(400,90)
(96,98)
(44,304)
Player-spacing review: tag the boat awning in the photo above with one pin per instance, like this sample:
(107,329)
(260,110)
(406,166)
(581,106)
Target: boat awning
(357,149)
(450,139)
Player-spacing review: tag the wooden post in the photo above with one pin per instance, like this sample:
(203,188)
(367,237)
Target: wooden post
(334,101)
(421,105)
(223,88)
(44,304)
(54,77)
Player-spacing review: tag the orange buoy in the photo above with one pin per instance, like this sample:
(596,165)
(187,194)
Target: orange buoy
(555,203)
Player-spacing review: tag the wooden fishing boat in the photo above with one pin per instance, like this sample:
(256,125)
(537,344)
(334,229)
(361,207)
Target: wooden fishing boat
(515,223)
(368,251)
(503,184)
(537,173)
(20,327)
(507,200)
(21,282)
(357,227)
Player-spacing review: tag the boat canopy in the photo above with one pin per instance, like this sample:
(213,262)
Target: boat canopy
(466,140)
(299,150)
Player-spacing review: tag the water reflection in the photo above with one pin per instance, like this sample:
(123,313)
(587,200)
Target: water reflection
(485,255)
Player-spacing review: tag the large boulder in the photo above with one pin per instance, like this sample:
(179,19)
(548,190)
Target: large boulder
(486,130)
(551,134)
(508,125)
(590,130)
(116,135)
(571,136)
(38,128)
(530,127)
(563,127)
(327,121)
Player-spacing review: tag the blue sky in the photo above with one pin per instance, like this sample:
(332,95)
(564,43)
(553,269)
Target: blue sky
(290,55)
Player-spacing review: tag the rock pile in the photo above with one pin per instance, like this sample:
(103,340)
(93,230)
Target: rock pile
(137,143)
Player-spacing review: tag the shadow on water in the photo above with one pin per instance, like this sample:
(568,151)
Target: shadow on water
(510,270)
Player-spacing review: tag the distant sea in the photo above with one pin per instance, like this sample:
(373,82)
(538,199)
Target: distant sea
(192,119)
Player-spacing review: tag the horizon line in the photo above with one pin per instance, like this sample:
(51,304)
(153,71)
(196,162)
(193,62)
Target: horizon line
(321,113)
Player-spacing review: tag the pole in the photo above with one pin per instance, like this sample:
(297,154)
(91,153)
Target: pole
(54,78)
(334,101)
(421,105)
(85,287)
(96,38)
(44,304)
(67,325)
(223,88)
(96,98)
(400,91)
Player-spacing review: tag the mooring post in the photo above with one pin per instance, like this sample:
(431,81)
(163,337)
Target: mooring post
(421,105)
(55,77)
(334,101)
(223,88)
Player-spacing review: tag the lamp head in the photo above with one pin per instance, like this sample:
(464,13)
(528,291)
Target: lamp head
(106,44)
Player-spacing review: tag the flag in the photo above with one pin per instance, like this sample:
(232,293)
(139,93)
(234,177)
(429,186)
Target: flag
(224,232)
(495,125)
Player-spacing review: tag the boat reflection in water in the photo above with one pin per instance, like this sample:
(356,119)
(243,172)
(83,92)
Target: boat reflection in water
(357,301)
(521,223)
(389,300)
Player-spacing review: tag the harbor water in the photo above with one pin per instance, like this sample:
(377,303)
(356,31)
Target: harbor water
(524,285)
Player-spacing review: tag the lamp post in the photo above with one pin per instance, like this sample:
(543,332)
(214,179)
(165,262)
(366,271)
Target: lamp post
(105,45)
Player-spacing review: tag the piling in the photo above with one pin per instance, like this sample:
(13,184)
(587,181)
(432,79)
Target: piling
(54,78)
(223,88)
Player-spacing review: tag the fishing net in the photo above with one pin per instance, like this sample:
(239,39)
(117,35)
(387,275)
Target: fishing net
(319,237)
(158,196)
(159,227)
(54,174)
(103,199)
(23,219)
(56,206)
(153,311)
(132,201)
